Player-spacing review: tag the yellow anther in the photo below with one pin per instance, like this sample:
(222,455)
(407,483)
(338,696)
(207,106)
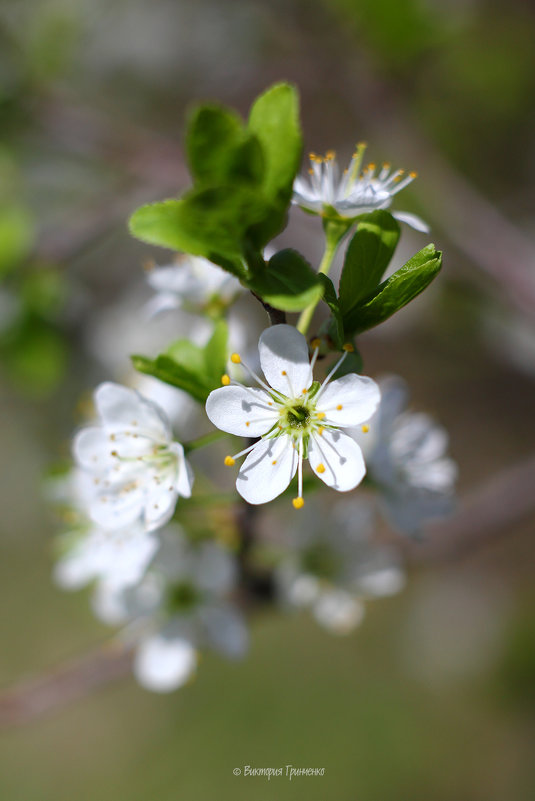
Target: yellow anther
(235,358)
(321,429)
(283,372)
(315,343)
(365,429)
(229,461)
(247,423)
(274,461)
(225,380)
(386,165)
(304,391)
(330,155)
(298,503)
(361,145)
(114,453)
(413,175)
(320,468)
(339,407)
(310,171)
(312,156)
(371,165)
(321,415)
(348,347)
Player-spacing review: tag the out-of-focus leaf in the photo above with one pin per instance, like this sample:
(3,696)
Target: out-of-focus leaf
(289,283)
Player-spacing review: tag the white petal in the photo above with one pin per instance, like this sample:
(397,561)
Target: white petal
(284,359)
(340,456)
(185,477)
(413,220)
(162,664)
(114,509)
(268,470)
(92,449)
(121,408)
(357,396)
(241,411)
(160,506)
(338,611)
(225,630)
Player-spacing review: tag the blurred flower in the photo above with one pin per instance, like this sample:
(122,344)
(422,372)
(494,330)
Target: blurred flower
(192,283)
(179,607)
(356,192)
(295,417)
(333,565)
(405,454)
(139,470)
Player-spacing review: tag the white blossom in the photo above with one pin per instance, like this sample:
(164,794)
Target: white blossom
(138,469)
(332,565)
(357,191)
(406,455)
(191,282)
(179,607)
(295,418)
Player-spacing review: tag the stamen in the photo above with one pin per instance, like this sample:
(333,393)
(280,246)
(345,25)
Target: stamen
(330,375)
(348,347)
(365,429)
(235,358)
(298,503)
(320,468)
(225,380)
(229,461)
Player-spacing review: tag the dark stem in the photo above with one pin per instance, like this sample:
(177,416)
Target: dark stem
(276,316)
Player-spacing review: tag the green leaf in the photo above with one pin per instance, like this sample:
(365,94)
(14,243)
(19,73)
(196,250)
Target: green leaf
(16,236)
(220,150)
(335,324)
(189,367)
(274,119)
(213,223)
(367,257)
(289,283)
(351,364)
(395,292)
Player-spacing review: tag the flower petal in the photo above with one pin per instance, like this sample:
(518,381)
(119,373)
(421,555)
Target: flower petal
(338,611)
(284,359)
(241,410)
(162,663)
(349,401)
(341,458)
(268,470)
(92,450)
(413,220)
(159,507)
(121,408)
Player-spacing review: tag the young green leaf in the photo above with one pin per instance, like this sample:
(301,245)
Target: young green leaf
(367,257)
(220,150)
(335,324)
(395,292)
(289,283)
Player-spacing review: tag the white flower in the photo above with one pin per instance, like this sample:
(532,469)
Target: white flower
(295,417)
(179,607)
(356,192)
(191,282)
(139,471)
(118,557)
(333,565)
(406,458)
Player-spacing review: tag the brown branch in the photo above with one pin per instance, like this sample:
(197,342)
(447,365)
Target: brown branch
(34,698)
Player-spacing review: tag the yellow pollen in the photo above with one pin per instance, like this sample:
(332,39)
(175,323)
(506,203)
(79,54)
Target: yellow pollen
(371,166)
(321,415)
(315,343)
(274,461)
(298,503)
(310,171)
(112,437)
(269,403)
(348,347)
(283,372)
(365,429)
(229,461)
(386,165)
(225,380)
(247,423)
(339,407)
(320,468)
(235,358)
(114,453)
(330,155)
(304,391)
(321,429)
(413,175)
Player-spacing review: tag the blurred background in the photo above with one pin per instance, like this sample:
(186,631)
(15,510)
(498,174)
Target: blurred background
(434,696)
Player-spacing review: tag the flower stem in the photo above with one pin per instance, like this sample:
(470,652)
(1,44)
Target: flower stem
(201,442)
(334,233)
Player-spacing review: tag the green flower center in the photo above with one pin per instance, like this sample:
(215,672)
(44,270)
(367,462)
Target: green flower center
(298,417)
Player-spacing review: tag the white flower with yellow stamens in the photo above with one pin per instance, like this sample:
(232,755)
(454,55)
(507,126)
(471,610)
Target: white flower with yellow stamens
(139,470)
(295,418)
(357,191)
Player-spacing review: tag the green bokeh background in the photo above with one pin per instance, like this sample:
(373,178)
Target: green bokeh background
(433,697)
